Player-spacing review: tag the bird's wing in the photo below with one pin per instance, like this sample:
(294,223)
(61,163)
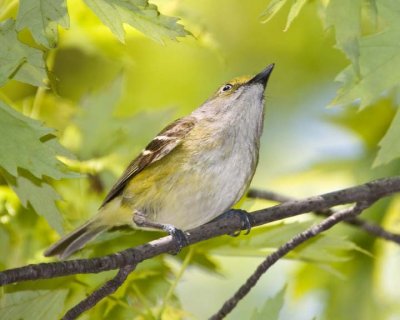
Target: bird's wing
(166,141)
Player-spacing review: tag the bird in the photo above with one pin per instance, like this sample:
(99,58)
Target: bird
(192,172)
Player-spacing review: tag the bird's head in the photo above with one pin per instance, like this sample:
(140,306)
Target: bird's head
(240,92)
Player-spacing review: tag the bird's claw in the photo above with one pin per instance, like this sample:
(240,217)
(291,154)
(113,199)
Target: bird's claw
(245,220)
(178,235)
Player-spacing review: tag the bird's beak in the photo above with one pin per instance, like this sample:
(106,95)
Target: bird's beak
(263,76)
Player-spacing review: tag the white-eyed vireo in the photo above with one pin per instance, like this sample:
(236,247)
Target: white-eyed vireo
(191,172)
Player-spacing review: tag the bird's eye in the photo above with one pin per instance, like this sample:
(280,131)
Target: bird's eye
(226,87)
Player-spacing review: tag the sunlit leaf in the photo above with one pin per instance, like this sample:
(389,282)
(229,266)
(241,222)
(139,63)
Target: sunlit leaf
(271,308)
(294,12)
(42,18)
(17,60)
(29,154)
(99,132)
(345,17)
(26,143)
(139,14)
(273,7)
(103,132)
(327,248)
(172,312)
(379,61)
(41,196)
(323,248)
(390,144)
(40,304)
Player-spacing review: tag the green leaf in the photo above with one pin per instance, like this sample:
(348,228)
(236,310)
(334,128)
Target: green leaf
(390,143)
(38,194)
(17,60)
(294,12)
(379,61)
(139,14)
(204,260)
(41,196)
(324,248)
(103,133)
(26,143)
(273,7)
(39,304)
(42,18)
(29,152)
(95,121)
(271,307)
(345,17)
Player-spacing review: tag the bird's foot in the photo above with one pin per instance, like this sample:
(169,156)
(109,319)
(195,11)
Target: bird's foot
(178,235)
(245,219)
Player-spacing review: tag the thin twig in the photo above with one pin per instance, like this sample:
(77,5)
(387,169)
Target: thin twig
(108,288)
(369,227)
(326,224)
(269,195)
(373,190)
(375,230)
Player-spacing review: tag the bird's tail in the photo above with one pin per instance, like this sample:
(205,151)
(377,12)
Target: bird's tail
(75,240)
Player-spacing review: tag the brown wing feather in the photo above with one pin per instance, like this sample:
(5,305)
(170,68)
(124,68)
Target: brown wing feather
(167,140)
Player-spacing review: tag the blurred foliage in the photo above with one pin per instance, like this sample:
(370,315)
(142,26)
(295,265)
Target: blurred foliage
(271,308)
(86,84)
(37,304)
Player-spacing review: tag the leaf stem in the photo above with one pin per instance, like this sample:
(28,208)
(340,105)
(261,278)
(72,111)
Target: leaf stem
(139,295)
(172,288)
(40,93)
(37,102)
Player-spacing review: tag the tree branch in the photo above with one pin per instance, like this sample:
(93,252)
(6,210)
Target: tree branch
(126,260)
(366,192)
(311,232)
(368,227)
(108,288)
